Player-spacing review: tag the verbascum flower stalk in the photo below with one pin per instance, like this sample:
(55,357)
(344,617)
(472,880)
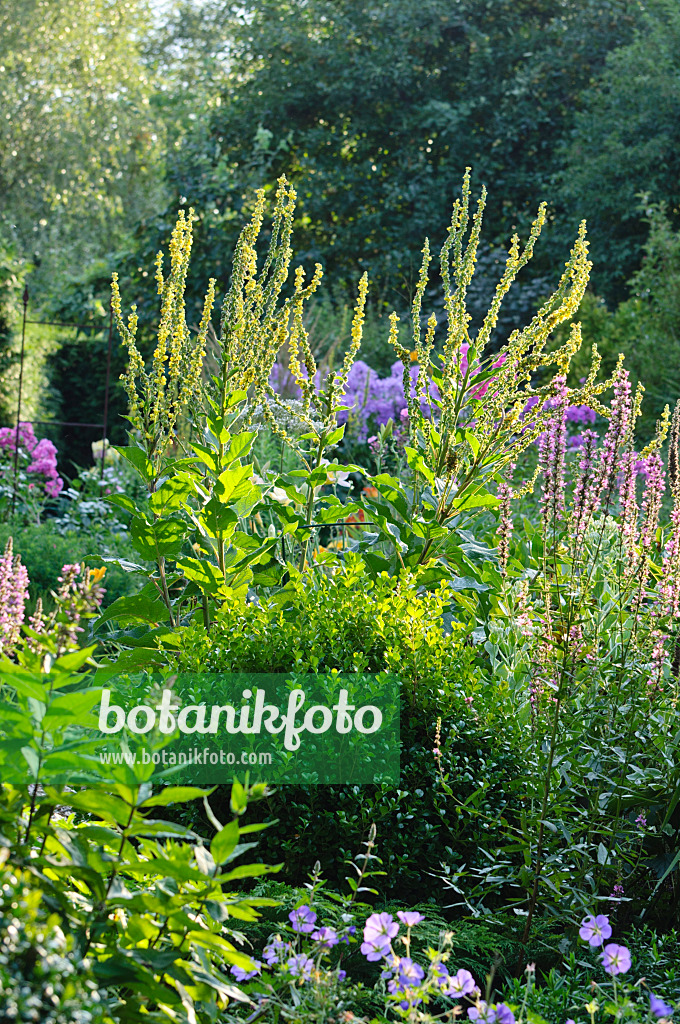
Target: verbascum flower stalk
(479,400)
(158,397)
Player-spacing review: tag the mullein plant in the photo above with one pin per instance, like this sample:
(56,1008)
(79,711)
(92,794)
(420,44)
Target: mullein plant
(468,406)
(589,605)
(203,511)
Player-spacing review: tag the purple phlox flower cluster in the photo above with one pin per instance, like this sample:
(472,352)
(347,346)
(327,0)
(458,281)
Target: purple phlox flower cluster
(594,930)
(302,919)
(617,891)
(552,448)
(658,1007)
(13,593)
(580,414)
(241,974)
(42,455)
(641,820)
(26,438)
(373,399)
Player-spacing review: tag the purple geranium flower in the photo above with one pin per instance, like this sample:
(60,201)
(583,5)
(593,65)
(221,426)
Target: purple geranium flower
(460,984)
(302,919)
(380,927)
(658,1007)
(504,1014)
(595,930)
(300,966)
(410,973)
(410,917)
(326,936)
(272,952)
(482,1013)
(376,949)
(342,975)
(616,959)
(242,975)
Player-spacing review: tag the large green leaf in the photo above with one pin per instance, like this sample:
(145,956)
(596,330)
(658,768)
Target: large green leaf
(161,538)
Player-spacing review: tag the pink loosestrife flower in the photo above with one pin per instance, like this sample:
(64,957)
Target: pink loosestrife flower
(628,501)
(651,502)
(13,594)
(552,449)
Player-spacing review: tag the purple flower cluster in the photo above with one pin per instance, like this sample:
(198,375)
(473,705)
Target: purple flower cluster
(40,455)
(594,931)
(13,594)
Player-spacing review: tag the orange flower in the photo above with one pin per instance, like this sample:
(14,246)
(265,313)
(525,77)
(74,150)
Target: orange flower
(370,492)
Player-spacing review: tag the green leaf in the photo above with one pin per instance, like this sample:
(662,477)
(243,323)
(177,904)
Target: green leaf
(251,871)
(234,483)
(123,501)
(176,795)
(162,538)
(240,446)
(482,499)
(135,608)
(202,572)
(225,842)
(172,494)
(137,458)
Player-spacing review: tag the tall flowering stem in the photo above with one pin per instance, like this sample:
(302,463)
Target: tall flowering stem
(158,396)
(467,406)
(13,593)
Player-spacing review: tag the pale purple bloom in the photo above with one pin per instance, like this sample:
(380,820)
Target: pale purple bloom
(242,975)
(376,949)
(651,502)
(327,937)
(300,966)
(460,984)
(409,917)
(13,593)
(380,927)
(482,1013)
(410,973)
(273,951)
(658,1007)
(302,919)
(615,959)
(504,1014)
(342,975)
(594,930)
